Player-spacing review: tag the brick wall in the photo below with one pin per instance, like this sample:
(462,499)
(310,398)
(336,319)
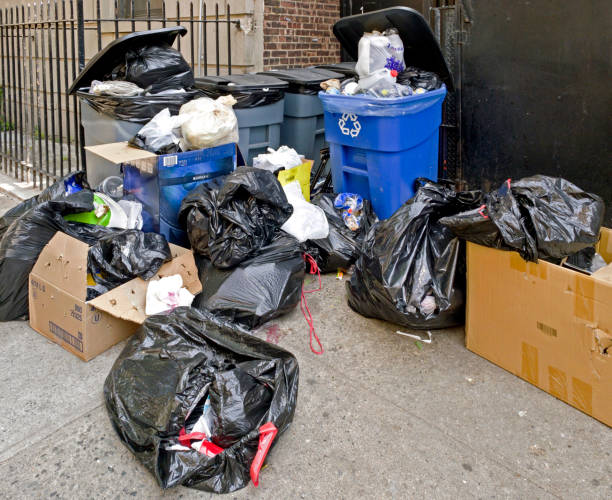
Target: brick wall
(299,33)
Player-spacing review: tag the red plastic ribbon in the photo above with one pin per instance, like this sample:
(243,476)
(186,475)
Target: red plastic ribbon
(314,269)
(267,433)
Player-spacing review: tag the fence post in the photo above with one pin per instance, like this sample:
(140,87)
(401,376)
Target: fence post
(81,42)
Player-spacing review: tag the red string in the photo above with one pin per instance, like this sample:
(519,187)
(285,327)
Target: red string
(314,269)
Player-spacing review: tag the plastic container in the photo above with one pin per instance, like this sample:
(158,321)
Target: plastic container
(378,147)
(259,110)
(303,127)
(162,183)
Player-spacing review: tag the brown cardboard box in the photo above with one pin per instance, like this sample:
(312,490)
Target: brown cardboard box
(58,289)
(546,324)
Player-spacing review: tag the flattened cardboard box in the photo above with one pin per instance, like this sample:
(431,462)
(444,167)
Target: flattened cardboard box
(58,289)
(545,323)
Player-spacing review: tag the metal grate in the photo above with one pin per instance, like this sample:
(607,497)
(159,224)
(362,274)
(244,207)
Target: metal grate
(44,45)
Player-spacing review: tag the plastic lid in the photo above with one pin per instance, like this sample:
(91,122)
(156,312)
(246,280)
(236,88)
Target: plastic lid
(303,76)
(346,68)
(241,82)
(421,49)
(114,53)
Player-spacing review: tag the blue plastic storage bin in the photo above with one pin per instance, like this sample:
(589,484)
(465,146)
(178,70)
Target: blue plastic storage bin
(378,147)
(162,183)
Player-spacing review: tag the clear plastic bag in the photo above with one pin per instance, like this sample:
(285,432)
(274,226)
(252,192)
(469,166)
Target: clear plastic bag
(380,50)
(115,88)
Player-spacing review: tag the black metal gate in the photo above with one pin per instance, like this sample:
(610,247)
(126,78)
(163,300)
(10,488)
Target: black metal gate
(44,45)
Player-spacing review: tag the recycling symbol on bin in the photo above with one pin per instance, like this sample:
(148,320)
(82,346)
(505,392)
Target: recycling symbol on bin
(349,125)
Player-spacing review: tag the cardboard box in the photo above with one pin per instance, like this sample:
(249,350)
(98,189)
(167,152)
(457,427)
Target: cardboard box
(547,324)
(160,182)
(58,289)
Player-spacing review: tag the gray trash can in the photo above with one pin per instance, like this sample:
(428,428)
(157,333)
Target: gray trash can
(259,110)
(303,127)
(114,119)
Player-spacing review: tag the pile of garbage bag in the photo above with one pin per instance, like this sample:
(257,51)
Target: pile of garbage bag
(202,415)
(411,270)
(540,217)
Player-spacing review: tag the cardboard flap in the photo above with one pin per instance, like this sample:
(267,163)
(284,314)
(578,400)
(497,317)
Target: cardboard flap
(128,301)
(63,263)
(120,152)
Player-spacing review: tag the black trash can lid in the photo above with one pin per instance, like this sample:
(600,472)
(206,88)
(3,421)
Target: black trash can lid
(303,76)
(241,82)
(421,49)
(346,68)
(114,53)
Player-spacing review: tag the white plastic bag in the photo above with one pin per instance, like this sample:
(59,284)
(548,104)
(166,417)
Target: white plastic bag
(209,122)
(283,157)
(308,222)
(166,294)
(115,88)
(380,50)
(162,134)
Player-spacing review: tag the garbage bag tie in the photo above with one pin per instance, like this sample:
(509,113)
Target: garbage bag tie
(314,269)
(267,433)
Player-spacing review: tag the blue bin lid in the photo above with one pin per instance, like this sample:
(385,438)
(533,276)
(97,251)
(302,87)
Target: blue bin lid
(421,49)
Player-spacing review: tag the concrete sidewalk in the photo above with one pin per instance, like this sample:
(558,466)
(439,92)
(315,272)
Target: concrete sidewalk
(378,416)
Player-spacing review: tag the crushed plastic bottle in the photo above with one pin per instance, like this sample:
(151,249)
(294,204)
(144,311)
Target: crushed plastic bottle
(351,205)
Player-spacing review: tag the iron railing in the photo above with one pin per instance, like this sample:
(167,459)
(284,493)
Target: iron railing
(43,47)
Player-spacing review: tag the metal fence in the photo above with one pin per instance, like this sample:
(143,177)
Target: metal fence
(43,47)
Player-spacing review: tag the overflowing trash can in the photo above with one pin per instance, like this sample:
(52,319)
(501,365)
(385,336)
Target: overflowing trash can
(165,80)
(303,126)
(384,138)
(259,108)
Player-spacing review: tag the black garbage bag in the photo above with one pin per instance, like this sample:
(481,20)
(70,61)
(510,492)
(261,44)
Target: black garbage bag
(260,288)
(419,79)
(59,189)
(231,223)
(341,247)
(540,217)
(586,261)
(155,68)
(412,269)
(123,256)
(26,237)
(165,374)
(137,109)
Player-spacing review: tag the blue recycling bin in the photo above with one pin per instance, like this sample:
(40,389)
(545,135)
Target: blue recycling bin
(161,184)
(378,147)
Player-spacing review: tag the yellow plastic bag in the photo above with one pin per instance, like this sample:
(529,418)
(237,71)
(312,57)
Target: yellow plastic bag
(301,173)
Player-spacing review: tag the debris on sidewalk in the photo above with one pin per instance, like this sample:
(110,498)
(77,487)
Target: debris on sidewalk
(155,401)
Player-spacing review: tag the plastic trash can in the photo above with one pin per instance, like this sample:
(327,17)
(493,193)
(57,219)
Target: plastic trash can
(162,184)
(346,68)
(378,149)
(259,110)
(303,127)
(380,146)
(129,114)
